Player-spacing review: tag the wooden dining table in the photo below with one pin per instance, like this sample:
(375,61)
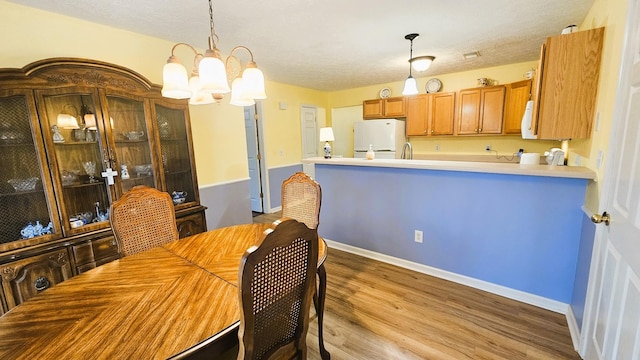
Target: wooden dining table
(176,301)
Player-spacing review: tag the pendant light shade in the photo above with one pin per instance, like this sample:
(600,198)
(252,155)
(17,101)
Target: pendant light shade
(211,74)
(238,93)
(197,96)
(410,86)
(421,63)
(253,82)
(175,81)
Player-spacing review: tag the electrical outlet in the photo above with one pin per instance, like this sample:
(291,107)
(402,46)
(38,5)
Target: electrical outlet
(417,237)
(487,147)
(437,147)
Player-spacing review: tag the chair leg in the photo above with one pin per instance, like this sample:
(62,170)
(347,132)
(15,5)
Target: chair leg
(318,302)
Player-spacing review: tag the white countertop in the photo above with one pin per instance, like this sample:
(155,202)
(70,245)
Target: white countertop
(574,172)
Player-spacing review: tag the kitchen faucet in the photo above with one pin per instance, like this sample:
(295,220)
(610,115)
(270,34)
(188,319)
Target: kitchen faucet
(404,148)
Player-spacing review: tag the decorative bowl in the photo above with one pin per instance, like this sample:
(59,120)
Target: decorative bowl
(69,177)
(24,184)
(178,197)
(144,169)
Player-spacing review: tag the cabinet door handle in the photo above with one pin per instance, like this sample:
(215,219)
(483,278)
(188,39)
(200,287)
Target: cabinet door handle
(41,283)
(480,130)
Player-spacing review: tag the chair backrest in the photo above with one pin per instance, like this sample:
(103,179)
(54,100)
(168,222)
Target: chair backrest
(143,218)
(276,287)
(301,198)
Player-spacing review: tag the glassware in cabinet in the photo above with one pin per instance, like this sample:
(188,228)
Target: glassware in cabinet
(27,216)
(70,120)
(132,141)
(176,151)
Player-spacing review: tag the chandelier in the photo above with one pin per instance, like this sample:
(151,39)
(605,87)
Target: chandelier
(208,81)
(420,63)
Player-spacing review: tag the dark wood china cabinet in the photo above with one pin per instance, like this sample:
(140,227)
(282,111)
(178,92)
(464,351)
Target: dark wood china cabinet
(75,135)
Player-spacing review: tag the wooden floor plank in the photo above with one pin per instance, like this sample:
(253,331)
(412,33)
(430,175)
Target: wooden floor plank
(379,311)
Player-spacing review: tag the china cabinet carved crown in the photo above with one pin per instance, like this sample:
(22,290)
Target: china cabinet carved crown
(75,135)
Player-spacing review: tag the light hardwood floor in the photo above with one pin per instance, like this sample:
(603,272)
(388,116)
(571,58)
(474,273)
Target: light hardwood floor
(379,311)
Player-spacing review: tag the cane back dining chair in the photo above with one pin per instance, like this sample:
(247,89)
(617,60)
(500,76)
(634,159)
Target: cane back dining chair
(276,285)
(301,198)
(143,218)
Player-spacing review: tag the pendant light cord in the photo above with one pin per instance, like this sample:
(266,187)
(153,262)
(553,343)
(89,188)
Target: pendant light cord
(410,55)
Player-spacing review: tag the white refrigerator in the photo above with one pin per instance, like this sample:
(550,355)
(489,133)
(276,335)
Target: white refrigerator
(386,137)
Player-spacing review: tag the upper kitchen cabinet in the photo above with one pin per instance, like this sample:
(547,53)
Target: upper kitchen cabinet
(388,108)
(480,110)
(567,85)
(430,114)
(517,95)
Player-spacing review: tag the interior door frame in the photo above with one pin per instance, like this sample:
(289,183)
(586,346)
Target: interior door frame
(262,168)
(601,240)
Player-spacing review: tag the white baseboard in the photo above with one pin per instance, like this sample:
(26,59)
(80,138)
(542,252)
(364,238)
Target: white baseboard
(574,329)
(536,300)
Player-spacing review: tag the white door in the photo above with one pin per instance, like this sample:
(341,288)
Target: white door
(309,125)
(253,158)
(613,307)
(309,132)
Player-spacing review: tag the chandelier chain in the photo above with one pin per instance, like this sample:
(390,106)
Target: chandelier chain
(213,33)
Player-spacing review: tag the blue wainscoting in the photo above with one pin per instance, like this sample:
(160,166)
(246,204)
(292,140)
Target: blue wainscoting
(582,270)
(227,203)
(276,176)
(515,231)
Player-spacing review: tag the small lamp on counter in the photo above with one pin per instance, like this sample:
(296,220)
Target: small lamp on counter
(326,135)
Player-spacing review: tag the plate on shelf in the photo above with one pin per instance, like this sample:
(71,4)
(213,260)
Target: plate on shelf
(385,93)
(433,85)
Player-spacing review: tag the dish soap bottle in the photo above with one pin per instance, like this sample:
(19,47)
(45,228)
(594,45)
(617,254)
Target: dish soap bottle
(370,154)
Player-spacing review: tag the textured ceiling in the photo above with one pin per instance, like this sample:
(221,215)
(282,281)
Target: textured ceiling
(340,44)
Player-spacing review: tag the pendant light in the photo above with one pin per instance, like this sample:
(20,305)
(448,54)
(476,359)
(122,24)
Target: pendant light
(208,80)
(419,63)
(410,85)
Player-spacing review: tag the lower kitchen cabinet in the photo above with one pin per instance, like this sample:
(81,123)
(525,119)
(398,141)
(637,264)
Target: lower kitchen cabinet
(25,278)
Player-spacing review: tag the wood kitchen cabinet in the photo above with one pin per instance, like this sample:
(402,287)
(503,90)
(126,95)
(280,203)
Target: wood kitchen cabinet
(517,95)
(389,108)
(65,125)
(480,110)
(430,114)
(567,84)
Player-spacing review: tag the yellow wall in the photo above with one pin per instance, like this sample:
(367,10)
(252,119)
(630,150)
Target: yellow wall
(283,127)
(218,129)
(612,15)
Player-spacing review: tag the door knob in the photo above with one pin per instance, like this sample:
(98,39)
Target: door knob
(601,218)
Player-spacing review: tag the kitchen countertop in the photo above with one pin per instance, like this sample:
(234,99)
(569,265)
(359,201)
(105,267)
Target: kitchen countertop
(574,172)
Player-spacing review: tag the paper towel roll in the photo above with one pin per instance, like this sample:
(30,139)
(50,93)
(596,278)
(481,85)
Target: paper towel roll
(530,159)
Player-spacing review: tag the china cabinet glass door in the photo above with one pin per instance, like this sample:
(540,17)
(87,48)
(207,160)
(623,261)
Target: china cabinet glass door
(26,215)
(175,152)
(131,138)
(71,125)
